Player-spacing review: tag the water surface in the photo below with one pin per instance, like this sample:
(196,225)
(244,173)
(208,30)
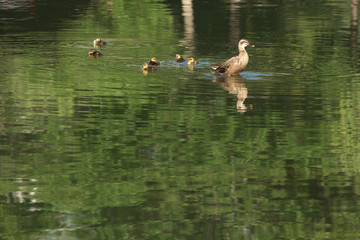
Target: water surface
(93,148)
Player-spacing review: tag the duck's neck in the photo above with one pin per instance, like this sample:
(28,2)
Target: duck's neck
(242,51)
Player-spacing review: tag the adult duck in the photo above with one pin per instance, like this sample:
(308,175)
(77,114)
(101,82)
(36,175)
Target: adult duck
(234,65)
(179,58)
(99,43)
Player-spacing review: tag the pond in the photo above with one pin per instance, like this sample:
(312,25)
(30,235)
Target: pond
(95,148)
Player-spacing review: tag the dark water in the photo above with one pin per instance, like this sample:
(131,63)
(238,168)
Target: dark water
(92,148)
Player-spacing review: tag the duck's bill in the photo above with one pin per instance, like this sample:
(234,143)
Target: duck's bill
(250,45)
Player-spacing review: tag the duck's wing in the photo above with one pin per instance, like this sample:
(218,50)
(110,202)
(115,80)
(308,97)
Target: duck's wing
(222,67)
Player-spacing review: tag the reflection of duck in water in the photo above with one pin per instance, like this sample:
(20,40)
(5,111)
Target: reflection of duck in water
(192,61)
(153,61)
(179,58)
(234,65)
(148,68)
(94,53)
(235,85)
(99,43)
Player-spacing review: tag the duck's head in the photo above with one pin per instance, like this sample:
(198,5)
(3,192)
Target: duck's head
(244,43)
(153,59)
(178,56)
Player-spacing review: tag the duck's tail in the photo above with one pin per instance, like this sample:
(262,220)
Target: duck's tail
(215,67)
(218,69)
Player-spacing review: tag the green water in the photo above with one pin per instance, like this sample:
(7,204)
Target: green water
(91,148)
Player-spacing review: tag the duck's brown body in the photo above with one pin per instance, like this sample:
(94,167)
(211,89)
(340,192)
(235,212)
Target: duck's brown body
(234,65)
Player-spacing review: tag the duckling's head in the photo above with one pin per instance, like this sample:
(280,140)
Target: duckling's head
(191,60)
(145,66)
(153,59)
(98,42)
(244,43)
(178,56)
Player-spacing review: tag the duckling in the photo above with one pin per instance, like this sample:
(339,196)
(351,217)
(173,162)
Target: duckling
(236,64)
(148,67)
(154,61)
(95,53)
(192,61)
(179,59)
(99,43)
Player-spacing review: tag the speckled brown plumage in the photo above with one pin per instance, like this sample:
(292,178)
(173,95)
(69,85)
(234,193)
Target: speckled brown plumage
(234,65)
